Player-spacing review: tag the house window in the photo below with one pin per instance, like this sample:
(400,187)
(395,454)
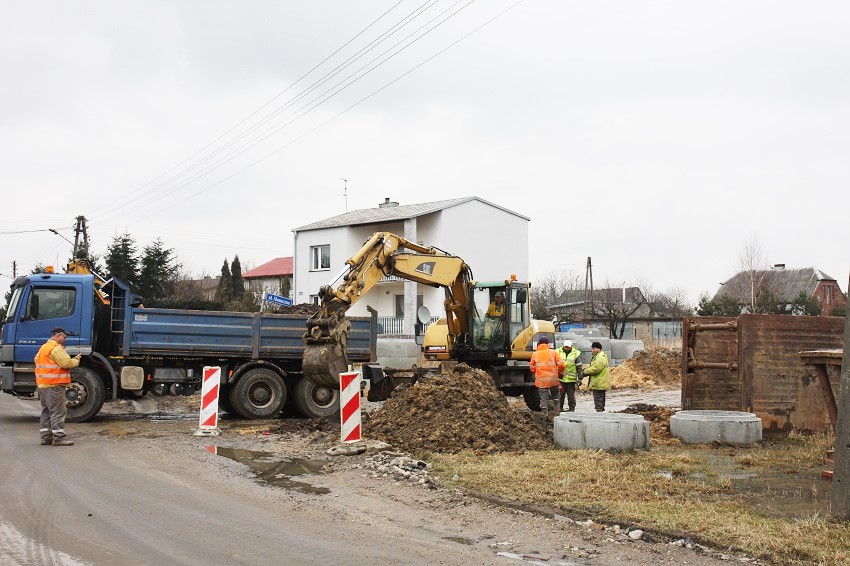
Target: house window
(399,304)
(320,258)
(829,294)
(314,300)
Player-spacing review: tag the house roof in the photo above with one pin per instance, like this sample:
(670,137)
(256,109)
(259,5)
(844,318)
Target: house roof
(609,295)
(785,284)
(274,268)
(394,213)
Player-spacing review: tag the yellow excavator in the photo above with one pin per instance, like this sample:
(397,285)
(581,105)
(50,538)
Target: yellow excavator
(500,344)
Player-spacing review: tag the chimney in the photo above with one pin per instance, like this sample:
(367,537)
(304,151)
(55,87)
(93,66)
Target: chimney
(387,203)
(778,266)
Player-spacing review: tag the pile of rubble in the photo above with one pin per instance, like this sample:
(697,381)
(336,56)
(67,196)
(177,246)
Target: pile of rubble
(656,367)
(401,467)
(454,411)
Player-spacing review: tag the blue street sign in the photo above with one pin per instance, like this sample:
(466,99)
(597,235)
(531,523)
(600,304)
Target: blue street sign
(278,300)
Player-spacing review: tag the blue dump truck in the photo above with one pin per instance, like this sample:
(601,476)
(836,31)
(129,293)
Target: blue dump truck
(129,351)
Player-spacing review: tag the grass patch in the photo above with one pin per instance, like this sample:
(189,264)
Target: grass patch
(671,488)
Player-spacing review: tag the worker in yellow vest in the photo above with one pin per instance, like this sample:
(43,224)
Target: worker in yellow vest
(600,376)
(572,374)
(52,377)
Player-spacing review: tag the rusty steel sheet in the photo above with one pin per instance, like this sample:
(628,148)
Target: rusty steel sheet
(769,378)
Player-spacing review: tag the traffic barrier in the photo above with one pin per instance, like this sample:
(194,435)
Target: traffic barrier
(208,420)
(349,406)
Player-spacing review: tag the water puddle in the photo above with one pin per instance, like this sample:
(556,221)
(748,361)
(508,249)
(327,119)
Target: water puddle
(269,469)
(773,492)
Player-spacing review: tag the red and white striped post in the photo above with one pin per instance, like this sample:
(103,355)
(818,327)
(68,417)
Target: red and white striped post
(349,406)
(208,421)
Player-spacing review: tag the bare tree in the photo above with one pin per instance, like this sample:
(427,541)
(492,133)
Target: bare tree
(673,303)
(752,261)
(615,306)
(551,289)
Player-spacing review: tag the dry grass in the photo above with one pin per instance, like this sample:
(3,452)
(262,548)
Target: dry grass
(632,487)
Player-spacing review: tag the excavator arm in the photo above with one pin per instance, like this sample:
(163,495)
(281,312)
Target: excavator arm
(383,254)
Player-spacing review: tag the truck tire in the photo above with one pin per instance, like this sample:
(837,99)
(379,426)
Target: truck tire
(315,401)
(532,398)
(85,396)
(258,394)
(224,400)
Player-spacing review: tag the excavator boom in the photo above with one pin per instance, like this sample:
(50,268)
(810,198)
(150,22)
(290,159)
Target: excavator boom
(383,254)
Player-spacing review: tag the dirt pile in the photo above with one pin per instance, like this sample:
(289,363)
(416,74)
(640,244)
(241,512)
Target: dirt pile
(659,420)
(656,367)
(303,308)
(457,410)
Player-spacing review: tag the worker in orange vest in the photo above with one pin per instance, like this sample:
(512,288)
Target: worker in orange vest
(52,376)
(547,367)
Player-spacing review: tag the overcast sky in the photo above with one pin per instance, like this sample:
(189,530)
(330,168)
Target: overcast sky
(655,137)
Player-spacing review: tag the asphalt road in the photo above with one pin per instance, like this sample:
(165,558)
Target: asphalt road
(132,502)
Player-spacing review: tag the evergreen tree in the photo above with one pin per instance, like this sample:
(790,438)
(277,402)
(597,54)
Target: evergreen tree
(158,271)
(725,305)
(224,291)
(237,285)
(122,259)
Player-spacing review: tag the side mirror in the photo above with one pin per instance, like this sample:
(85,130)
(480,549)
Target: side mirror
(522,296)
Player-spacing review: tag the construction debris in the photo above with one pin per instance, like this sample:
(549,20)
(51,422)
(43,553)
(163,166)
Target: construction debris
(649,369)
(457,410)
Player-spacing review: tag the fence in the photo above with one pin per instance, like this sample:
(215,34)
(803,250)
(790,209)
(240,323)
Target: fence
(394,325)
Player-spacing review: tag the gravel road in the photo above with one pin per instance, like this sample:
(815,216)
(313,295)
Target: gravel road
(143,490)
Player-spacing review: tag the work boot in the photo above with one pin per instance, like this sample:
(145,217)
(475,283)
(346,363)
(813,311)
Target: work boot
(63,442)
(572,409)
(46,441)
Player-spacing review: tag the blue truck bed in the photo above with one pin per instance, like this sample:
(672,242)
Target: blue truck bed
(256,335)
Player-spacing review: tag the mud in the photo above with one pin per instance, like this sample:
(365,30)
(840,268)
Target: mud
(656,367)
(659,421)
(303,308)
(454,411)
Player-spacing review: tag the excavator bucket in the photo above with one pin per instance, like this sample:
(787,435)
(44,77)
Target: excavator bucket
(323,362)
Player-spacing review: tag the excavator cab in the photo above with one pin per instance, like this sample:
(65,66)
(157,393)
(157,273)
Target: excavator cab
(499,313)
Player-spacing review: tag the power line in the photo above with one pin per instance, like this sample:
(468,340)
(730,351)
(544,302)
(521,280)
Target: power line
(249,116)
(33,231)
(320,99)
(359,102)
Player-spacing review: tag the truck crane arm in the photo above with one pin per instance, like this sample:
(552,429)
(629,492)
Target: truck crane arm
(383,254)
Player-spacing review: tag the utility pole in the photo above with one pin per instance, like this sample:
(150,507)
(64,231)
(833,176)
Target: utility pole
(81,239)
(14,269)
(588,289)
(345,193)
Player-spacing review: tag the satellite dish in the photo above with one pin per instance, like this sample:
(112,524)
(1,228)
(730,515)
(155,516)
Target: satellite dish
(423,314)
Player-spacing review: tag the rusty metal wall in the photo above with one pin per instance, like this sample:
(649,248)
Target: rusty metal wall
(709,388)
(770,380)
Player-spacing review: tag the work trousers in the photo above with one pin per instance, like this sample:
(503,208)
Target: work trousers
(599,400)
(568,390)
(547,393)
(53,411)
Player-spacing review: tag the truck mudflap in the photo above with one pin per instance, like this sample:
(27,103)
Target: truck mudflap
(7,378)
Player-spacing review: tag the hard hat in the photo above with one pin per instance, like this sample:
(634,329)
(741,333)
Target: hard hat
(500,294)
(568,343)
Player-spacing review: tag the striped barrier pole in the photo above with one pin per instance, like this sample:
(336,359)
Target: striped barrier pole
(208,420)
(349,406)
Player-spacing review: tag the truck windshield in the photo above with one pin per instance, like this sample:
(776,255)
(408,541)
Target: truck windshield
(13,303)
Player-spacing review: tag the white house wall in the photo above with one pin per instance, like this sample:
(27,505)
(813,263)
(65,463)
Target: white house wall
(493,242)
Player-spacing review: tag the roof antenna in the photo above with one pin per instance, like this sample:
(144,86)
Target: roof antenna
(345,193)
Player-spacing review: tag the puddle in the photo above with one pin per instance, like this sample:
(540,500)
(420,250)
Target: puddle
(278,473)
(771,491)
(460,540)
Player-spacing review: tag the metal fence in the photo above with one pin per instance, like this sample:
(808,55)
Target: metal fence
(394,325)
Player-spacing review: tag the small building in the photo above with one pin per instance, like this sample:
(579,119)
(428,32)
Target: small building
(490,238)
(785,286)
(273,277)
(203,288)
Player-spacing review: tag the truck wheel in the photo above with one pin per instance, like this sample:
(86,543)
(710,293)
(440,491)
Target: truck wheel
(85,396)
(313,400)
(532,398)
(258,394)
(224,400)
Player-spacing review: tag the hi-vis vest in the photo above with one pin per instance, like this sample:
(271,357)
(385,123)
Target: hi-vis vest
(47,372)
(545,370)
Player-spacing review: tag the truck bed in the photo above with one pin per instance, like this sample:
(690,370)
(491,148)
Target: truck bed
(230,334)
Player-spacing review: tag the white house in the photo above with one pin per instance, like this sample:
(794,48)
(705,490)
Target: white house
(490,238)
(274,277)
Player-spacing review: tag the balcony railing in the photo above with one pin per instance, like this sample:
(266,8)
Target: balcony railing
(395,324)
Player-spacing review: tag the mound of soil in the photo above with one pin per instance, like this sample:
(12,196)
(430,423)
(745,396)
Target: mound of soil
(657,367)
(659,420)
(457,410)
(303,308)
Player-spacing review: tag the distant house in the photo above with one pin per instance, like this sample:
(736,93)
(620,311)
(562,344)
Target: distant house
(610,306)
(785,285)
(273,277)
(204,288)
(490,238)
